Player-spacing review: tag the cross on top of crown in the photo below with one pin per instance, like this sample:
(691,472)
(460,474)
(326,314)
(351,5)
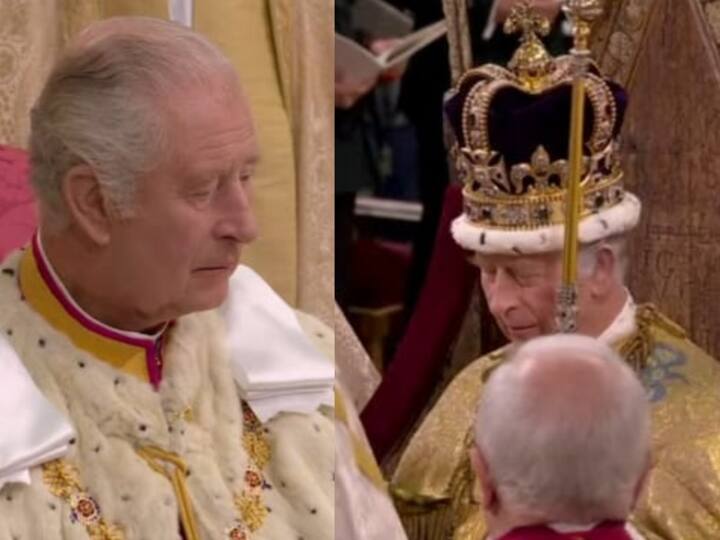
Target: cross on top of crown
(523,19)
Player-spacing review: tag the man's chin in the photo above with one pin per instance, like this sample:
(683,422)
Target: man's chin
(209,299)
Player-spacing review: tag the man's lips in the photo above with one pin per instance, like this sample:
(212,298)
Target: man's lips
(205,268)
(520,328)
(226,267)
(521,332)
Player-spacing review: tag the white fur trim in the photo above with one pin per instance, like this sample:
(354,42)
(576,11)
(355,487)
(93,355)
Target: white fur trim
(616,220)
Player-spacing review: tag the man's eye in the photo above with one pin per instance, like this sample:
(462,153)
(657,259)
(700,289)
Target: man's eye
(526,280)
(205,190)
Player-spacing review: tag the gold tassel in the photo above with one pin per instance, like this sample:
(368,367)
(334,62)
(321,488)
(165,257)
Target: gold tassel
(177,477)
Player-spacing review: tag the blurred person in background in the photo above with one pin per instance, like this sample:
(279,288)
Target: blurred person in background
(357,143)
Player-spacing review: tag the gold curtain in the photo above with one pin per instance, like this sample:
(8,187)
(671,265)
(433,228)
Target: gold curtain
(304,34)
(279,47)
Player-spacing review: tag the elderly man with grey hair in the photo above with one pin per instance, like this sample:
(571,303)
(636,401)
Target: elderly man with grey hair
(131,408)
(562,442)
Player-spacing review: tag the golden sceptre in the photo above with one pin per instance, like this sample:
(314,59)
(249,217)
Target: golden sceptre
(582,13)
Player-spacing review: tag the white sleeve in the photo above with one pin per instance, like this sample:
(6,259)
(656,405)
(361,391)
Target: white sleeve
(32,430)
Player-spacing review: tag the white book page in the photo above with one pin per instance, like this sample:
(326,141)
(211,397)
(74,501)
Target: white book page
(359,65)
(356,64)
(380,20)
(411,44)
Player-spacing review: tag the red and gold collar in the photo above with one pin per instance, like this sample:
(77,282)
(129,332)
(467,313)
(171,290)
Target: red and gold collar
(131,352)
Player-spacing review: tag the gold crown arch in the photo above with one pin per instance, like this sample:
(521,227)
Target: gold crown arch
(491,190)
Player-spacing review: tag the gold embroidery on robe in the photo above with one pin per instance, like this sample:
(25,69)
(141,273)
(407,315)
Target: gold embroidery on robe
(249,503)
(63,481)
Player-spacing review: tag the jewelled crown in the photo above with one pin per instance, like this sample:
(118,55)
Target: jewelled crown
(511,128)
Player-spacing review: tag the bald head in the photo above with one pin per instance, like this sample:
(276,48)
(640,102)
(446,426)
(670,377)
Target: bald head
(570,378)
(564,429)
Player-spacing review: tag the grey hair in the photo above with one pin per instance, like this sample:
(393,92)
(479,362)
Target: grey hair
(574,453)
(102,105)
(588,256)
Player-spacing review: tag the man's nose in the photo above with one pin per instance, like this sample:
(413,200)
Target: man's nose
(238,221)
(503,294)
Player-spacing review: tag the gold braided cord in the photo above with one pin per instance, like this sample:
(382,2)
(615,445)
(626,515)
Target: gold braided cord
(156,458)
(460,51)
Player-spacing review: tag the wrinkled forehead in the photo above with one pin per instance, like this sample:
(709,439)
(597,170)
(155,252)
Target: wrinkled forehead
(211,124)
(536,261)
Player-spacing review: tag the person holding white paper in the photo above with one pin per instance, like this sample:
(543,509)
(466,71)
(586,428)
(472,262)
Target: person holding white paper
(356,145)
(163,417)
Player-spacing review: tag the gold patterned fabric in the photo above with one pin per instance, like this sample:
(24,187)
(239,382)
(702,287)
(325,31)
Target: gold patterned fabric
(353,367)
(311,105)
(437,498)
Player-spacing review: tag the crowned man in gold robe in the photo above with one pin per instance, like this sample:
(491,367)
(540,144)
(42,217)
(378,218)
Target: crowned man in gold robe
(511,131)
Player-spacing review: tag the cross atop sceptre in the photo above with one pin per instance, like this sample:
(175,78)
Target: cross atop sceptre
(524,20)
(582,13)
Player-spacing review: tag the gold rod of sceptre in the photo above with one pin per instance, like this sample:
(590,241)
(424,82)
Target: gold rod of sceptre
(582,13)
(574,191)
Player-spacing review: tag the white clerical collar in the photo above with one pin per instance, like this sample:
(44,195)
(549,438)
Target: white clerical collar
(276,366)
(564,528)
(561,528)
(623,325)
(572,527)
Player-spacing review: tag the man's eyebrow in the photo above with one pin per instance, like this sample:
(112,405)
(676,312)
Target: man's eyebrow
(253,160)
(248,162)
(528,268)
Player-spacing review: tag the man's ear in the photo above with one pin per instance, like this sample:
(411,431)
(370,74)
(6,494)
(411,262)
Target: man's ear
(603,277)
(491,501)
(642,481)
(85,203)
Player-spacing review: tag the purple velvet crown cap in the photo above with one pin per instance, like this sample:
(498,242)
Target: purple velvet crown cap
(519,122)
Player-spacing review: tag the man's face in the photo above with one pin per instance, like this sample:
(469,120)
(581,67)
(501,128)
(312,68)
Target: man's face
(193,212)
(521,292)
